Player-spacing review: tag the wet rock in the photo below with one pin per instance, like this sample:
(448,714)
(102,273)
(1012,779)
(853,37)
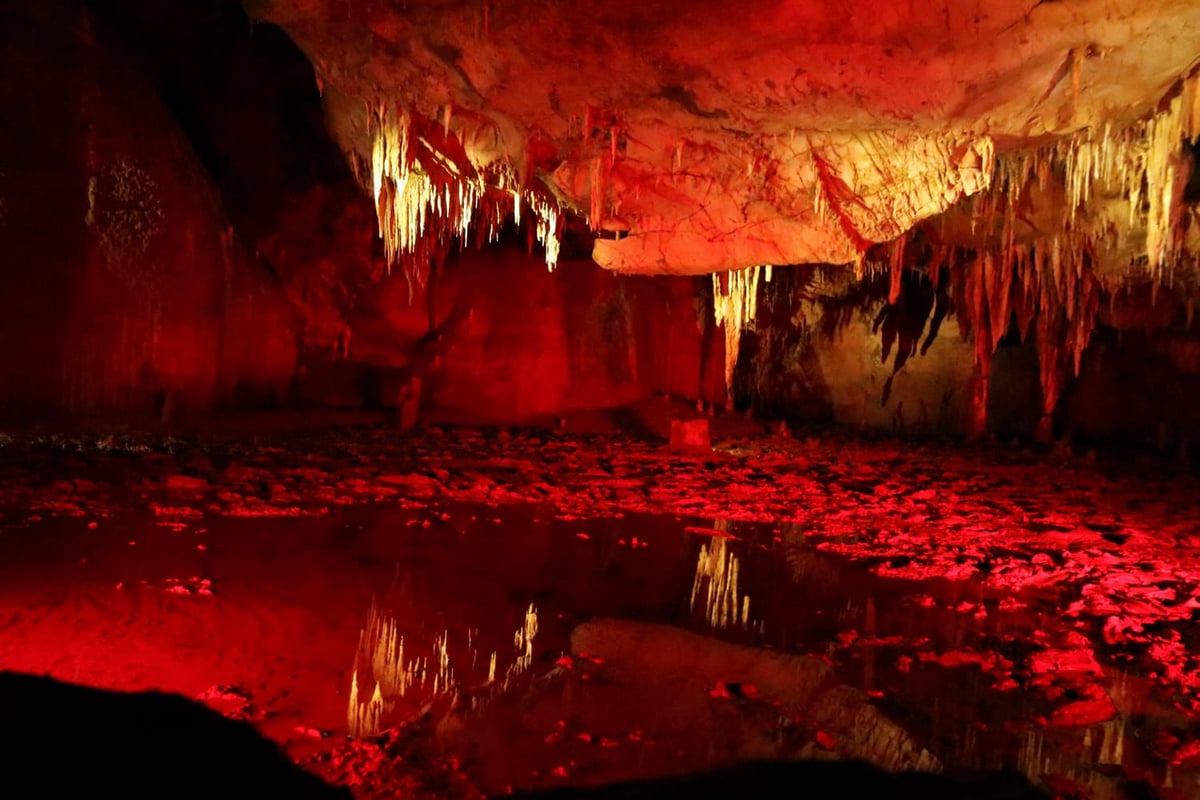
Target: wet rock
(677,662)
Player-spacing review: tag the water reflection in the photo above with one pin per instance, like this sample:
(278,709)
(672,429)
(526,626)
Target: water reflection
(717,583)
(936,658)
(485,600)
(381,660)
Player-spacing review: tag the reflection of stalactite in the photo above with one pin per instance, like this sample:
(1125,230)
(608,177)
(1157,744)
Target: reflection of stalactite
(443,677)
(364,719)
(1112,741)
(1101,745)
(735,304)
(717,582)
(523,645)
(1029,757)
(381,662)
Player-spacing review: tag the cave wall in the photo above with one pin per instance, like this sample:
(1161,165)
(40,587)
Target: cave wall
(1137,389)
(824,353)
(1140,374)
(125,287)
(929,395)
(808,371)
(539,344)
(521,343)
(169,242)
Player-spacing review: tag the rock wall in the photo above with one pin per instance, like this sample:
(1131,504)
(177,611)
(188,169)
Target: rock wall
(1138,390)
(929,394)
(519,343)
(825,353)
(125,289)
(807,372)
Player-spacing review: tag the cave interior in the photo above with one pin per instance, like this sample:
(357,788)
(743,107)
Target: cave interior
(825,368)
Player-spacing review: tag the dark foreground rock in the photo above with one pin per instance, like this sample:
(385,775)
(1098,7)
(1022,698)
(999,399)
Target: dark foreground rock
(809,779)
(63,740)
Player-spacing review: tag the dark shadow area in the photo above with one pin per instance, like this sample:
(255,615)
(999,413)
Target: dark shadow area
(779,374)
(1191,192)
(245,95)
(630,423)
(901,324)
(810,779)
(74,741)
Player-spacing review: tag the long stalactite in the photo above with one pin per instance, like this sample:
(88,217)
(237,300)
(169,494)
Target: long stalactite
(1041,275)
(735,305)
(424,197)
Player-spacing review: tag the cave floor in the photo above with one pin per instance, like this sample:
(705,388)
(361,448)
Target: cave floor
(992,607)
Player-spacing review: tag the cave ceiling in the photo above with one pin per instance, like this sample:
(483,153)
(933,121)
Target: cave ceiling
(698,137)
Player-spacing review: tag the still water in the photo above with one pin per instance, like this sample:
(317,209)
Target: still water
(478,605)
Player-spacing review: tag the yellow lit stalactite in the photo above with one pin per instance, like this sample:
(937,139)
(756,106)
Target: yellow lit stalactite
(413,208)
(735,305)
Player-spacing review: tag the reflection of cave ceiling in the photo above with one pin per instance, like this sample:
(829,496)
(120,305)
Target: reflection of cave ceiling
(702,136)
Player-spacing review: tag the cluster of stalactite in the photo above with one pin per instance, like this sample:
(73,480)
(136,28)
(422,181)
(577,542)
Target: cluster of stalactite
(1033,289)
(901,322)
(429,195)
(1036,271)
(735,305)
(1058,228)
(1139,170)
(1043,291)
(1143,164)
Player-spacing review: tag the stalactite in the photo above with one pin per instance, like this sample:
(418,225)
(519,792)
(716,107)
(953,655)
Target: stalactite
(896,268)
(1142,163)
(996,285)
(599,193)
(735,305)
(1048,284)
(974,319)
(1049,289)
(546,228)
(419,212)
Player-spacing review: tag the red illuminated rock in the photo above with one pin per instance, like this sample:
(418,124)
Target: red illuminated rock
(690,435)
